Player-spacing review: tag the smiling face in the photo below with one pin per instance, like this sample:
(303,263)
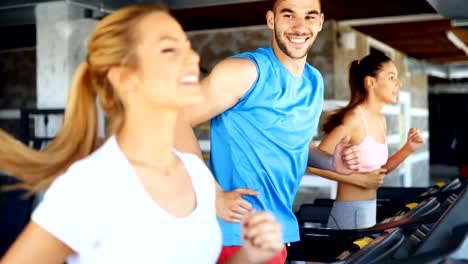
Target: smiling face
(387,84)
(295,25)
(168,68)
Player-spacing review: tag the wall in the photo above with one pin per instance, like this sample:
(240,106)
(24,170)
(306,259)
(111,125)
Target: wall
(17,85)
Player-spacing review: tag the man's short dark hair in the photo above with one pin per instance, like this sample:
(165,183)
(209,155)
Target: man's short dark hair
(275,3)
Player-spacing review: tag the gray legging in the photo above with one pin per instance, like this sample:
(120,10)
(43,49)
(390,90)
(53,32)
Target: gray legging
(353,214)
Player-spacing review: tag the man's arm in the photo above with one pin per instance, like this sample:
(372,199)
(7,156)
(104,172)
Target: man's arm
(229,80)
(186,140)
(345,157)
(366,180)
(230,206)
(223,87)
(320,159)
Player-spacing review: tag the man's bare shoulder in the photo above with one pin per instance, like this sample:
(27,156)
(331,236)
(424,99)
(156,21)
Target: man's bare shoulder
(233,75)
(237,65)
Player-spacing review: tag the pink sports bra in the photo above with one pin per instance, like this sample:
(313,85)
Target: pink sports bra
(373,154)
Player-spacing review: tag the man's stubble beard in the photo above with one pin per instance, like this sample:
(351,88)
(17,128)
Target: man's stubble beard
(285,50)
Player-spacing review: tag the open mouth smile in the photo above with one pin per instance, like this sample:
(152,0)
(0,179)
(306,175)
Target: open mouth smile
(190,79)
(297,40)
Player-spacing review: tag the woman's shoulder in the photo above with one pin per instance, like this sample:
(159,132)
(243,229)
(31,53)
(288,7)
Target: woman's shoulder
(97,167)
(353,125)
(351,118)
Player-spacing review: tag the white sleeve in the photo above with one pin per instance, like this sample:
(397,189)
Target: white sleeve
(69,210)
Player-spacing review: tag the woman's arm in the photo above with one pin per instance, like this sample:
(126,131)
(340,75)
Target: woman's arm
(414,141)
(365,180)
(36,245)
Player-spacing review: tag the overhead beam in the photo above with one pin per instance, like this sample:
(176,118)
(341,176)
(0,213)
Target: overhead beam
(11,4)
(443,71)
(223,16)
(406,30)
(390,20)
(346,9)
(184,4)
(457,41)
(420,39)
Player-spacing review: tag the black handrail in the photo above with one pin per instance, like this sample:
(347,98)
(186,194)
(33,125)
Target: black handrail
(27,128)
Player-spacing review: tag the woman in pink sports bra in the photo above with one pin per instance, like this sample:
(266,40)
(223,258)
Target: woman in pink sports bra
(374,83)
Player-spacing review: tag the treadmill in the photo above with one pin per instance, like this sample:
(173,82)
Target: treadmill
(325,245)
(444,241)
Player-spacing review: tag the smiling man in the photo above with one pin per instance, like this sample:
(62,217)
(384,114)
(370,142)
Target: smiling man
(265,107)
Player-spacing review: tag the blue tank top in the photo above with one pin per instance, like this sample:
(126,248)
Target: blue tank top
(262,142)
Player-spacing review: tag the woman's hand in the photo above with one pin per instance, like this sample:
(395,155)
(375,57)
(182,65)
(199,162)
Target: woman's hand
(415,139)
(262,238)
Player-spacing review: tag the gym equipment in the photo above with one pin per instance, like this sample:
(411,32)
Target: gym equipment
(394,238)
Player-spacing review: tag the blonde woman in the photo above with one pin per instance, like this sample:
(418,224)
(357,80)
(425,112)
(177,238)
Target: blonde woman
(135,198)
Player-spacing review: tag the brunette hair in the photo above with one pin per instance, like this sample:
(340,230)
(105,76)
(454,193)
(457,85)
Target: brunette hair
(370,65)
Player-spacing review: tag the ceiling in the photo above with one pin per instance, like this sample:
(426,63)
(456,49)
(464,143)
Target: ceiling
(412,26)
(419,28)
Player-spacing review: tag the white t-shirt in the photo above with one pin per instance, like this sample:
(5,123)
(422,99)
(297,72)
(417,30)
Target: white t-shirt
(100,209)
